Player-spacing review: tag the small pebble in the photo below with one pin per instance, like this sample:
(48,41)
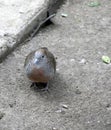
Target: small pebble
(72,60)
(59,111)
(1,115)
(98,121)
(11,105)
(57,69)
(78,91)
(65,106)
(64,15)
(54,128)
(108,105)
(88,122)
(18,69)
(83,61)
(21,12)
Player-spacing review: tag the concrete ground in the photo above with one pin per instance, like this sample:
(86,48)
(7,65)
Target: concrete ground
(80,94)
(19,18)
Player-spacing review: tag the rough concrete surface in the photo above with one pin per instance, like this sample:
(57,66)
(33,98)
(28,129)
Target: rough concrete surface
(82,82)
(18,19)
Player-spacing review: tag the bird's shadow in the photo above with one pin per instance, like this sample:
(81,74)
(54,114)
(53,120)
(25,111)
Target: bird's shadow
(56,91)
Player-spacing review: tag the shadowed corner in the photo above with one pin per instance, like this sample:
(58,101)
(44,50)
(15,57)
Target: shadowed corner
(52,9)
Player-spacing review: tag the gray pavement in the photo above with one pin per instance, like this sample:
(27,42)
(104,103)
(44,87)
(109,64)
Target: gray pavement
(82,81)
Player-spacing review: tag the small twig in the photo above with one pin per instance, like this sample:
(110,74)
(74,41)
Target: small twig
(38,27)
(43,22)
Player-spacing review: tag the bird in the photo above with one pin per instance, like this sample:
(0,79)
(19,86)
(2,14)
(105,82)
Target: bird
(40,67)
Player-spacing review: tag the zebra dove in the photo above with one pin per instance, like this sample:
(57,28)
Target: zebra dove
(40,66)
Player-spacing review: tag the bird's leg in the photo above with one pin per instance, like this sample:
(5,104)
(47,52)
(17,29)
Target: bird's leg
(41,86)
(37,84)
(46,87)
(32,85)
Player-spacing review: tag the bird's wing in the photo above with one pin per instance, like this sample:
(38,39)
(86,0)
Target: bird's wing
(52,60)
(29,57)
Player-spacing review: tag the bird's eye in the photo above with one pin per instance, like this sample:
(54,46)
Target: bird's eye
(43,56)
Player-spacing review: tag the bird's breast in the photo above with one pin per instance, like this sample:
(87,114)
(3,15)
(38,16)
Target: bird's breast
(38,75)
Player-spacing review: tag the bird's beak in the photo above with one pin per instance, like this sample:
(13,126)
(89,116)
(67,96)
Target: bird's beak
(36,61)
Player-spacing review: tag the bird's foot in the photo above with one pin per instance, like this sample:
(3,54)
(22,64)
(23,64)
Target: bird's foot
(45,88)
(32,85)
(40,86)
